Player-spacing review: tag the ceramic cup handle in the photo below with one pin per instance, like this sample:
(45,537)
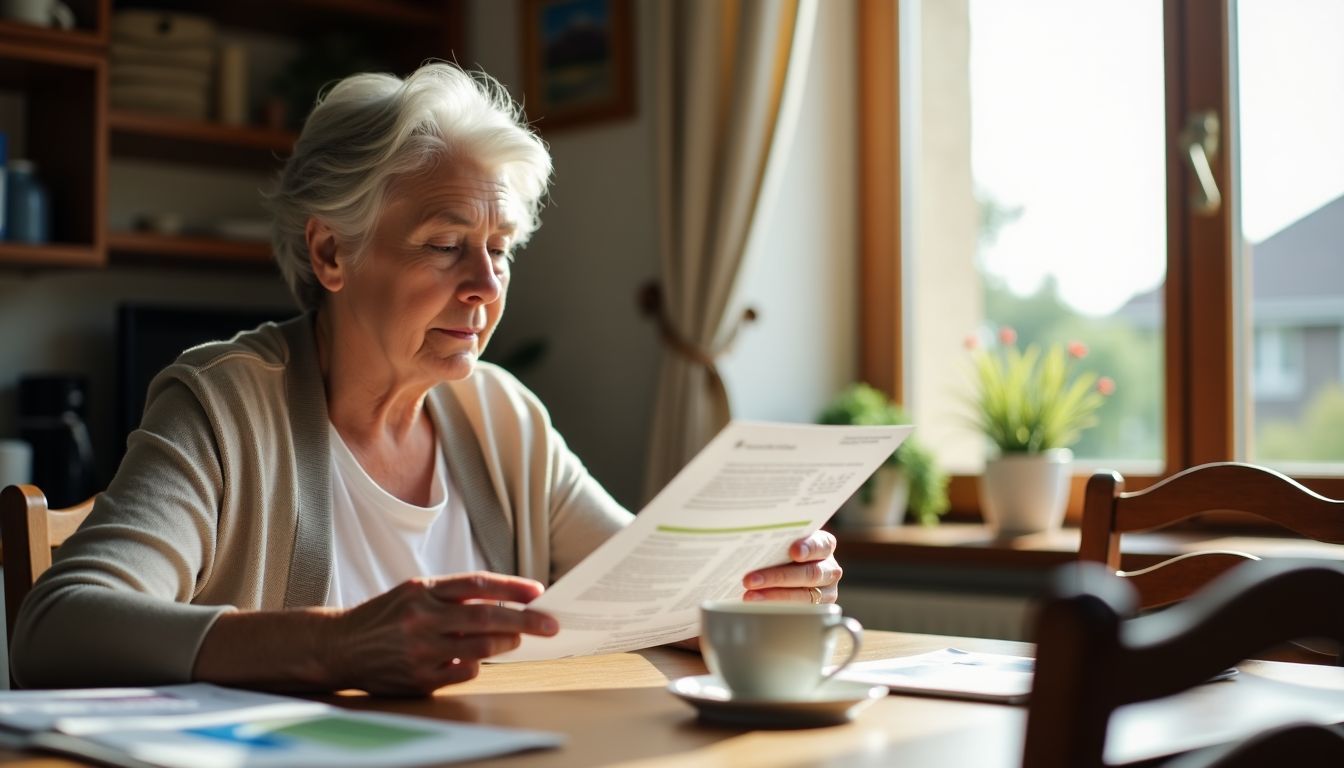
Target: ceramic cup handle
(855,630)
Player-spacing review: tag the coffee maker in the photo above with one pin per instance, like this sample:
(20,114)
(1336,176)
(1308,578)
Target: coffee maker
(52,413)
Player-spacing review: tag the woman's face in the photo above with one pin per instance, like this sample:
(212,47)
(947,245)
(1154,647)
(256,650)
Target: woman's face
(430,290)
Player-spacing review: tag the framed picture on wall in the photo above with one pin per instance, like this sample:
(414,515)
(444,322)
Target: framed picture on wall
(578,61)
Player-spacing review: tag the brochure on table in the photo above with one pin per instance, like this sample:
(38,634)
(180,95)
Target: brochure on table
(739,504)
(951,672)
(202,726)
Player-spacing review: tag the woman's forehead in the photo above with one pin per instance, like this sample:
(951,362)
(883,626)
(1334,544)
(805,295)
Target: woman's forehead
(460,196)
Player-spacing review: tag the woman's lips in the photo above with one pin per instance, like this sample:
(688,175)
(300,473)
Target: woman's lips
(465,334)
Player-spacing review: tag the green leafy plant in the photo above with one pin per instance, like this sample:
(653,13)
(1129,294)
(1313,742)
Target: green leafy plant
(865,405)
(1033,399)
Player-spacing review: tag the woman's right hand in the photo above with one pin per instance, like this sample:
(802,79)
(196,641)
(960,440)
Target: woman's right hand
(429,632)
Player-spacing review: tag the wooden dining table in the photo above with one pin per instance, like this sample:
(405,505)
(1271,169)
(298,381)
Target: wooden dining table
(615,710)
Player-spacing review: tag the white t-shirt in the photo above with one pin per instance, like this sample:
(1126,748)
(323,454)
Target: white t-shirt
(379,541)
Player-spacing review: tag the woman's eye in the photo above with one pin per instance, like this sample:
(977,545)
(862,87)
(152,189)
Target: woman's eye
(444,248)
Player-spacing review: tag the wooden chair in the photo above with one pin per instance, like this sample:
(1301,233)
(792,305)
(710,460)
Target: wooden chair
(1109,511)
(1300,745)
(1092,658)
(28,533)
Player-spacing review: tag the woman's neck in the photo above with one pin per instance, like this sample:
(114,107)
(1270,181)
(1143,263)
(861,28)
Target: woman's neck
(365,401)
(382,421)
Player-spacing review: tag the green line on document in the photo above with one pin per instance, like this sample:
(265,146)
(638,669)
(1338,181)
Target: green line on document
(743,529)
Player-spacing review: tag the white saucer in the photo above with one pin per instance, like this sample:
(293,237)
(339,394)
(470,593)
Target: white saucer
(835,701)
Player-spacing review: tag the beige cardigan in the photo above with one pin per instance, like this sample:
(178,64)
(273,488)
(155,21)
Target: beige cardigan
(223,500)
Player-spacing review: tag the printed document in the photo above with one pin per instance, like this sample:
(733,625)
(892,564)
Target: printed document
(753,491)
(201,726)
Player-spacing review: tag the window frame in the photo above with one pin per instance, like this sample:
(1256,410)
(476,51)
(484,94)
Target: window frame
(1201,418)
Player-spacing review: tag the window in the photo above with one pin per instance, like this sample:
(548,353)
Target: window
(1288,78)
(1041,188)
(1047,182)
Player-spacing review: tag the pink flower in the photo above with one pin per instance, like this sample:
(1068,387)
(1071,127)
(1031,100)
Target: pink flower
(1106,386)
(1077,350)
(1007,336)
(971,343)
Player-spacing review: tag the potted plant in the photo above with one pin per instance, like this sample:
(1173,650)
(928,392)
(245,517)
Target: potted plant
(910,478)
(1032,404)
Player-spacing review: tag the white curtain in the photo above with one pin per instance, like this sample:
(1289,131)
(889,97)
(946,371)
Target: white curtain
(729,79)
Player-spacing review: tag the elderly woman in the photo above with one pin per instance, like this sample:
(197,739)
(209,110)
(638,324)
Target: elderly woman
(351,498)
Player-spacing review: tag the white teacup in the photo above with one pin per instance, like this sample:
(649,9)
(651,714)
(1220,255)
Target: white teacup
(773,650)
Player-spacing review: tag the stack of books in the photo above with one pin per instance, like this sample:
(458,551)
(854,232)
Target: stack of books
(162,63)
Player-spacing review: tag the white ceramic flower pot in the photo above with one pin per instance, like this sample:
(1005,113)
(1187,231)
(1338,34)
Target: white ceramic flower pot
(891,495)
(1023,493)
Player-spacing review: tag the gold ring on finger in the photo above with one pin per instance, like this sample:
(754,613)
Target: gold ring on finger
(816,595)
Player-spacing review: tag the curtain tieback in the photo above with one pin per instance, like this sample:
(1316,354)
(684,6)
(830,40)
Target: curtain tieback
(651,303)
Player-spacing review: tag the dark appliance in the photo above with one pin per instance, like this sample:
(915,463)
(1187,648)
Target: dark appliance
(149,337)
(53,419)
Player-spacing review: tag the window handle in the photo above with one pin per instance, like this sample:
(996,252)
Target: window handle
(1200,141)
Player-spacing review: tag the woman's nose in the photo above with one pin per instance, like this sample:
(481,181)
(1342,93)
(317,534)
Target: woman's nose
(481,283)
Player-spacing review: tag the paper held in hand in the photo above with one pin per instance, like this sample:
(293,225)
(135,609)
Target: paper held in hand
(753,491)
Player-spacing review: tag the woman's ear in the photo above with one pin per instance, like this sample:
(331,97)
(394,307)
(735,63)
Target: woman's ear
(323,249)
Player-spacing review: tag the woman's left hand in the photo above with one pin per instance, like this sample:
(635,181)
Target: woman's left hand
(811,577)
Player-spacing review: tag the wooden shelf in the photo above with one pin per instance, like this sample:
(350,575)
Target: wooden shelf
(92,32)
(158,137)
(27,33)
(22,60)
(150,246)
(402,12)
(296,16)
(59,87)
(50,255)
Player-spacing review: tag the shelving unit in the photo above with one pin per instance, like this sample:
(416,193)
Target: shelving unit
(21,255)
(157,137)
(65,89)
(72,135)
(150,247)
(76,38)
(306,17)
(91,30)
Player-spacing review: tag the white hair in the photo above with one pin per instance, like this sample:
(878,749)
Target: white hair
(369,129)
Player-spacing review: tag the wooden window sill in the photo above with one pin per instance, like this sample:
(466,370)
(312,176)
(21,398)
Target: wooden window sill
(972,545)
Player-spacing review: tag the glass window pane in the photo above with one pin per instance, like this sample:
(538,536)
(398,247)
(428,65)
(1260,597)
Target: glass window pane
(1290,118)
(1035,199)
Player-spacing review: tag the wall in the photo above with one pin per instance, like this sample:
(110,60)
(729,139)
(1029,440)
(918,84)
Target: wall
(941,228)
(801,271)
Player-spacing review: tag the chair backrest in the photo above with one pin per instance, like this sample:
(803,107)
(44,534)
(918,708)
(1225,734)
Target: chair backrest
(28,533)
(1109,511)
(1300,745)
(1093,658)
